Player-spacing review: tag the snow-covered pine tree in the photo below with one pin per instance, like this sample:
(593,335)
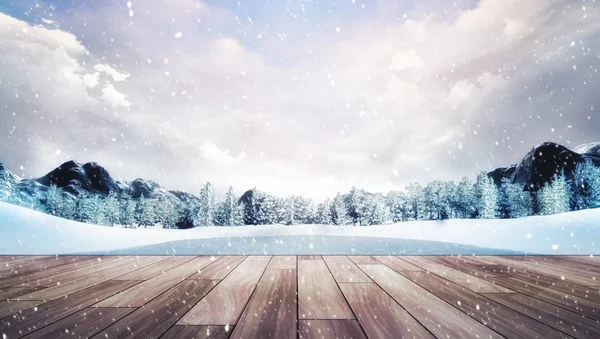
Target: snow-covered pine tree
(290,211)
(206,212)
(251,208)
(229,211)
(323,212)
(585,186)
(355,205)
(416,200)
(5,187)
(512,201)
(465,198)
(127,213)
(111,209)
(555,196)
(375,210)
(54,201)
(166,212)
(448,197)
(267,209)
(339,212)
(146,212)
(486,195)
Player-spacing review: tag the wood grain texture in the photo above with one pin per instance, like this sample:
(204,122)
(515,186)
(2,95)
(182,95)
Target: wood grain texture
(45,314)
(198,332)
(576,304)
(473,283)
(338,329)
(32,277)
(310,257)
(44,279)
(14,292)
(363,260)
(282,262)
(319,296)
(29,268)
(62,289)
(225,303)
(150,271)
(149,289)
(379,315)
(396,263)
(344,270)
(219,269)
(538,266)
(436,315)
(468,265)
(500,318)
(158,315)
(10,307)
(551,315)
(272,311)
(82,324)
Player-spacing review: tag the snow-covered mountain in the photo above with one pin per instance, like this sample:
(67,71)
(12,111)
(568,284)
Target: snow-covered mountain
(545,160)
(90,178)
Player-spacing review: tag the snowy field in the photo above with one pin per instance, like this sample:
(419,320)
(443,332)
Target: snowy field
(23,231)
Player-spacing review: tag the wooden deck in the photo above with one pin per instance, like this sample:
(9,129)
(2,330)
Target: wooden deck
(299,297)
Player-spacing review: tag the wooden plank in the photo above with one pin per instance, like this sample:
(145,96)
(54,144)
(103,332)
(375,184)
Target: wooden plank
(50,312)
(436,315)
(155,269)
(219,269)
(319,296)
(63,289)
(100,264)
(584,259)
(198,332)
(363,260)
(579,305)
(10,307)
(396,263)
(282,262)
(544,282)
(581,268)
(33,278)
(149,289)
(338,329)
(561,319)
(158,315)
(41,265)
(225,303)
(309,257)
(500,318)
(471,282)
(344,270)
(546,269)
(14,292)
(464,264)
(379,315)
(82,324)
(272,310)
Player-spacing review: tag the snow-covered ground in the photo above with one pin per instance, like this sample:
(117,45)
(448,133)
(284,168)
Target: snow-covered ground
(24,231)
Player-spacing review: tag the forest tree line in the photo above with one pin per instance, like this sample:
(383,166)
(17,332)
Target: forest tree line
(437,200)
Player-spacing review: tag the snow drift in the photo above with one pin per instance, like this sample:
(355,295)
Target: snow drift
(23,231)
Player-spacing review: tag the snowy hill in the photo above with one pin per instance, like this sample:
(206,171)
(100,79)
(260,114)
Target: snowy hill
(28,232)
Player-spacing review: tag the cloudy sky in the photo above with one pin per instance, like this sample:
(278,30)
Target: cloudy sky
(305,97)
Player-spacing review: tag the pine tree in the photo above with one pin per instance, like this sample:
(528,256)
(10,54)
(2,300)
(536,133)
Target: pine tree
(54,201)
(376,211)
(355,205)
(111,209)
(585,185)
(465,198)
(339,211)
(251,208)
(146,212)
(555,196)
(166,212)
(206,213)
(229,213)
(486,197)
(127,212)
(290,211)
(512,201)
(416,200)
(323,212)
(5,187)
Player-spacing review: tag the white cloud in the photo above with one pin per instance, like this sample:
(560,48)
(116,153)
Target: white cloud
(407,91)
